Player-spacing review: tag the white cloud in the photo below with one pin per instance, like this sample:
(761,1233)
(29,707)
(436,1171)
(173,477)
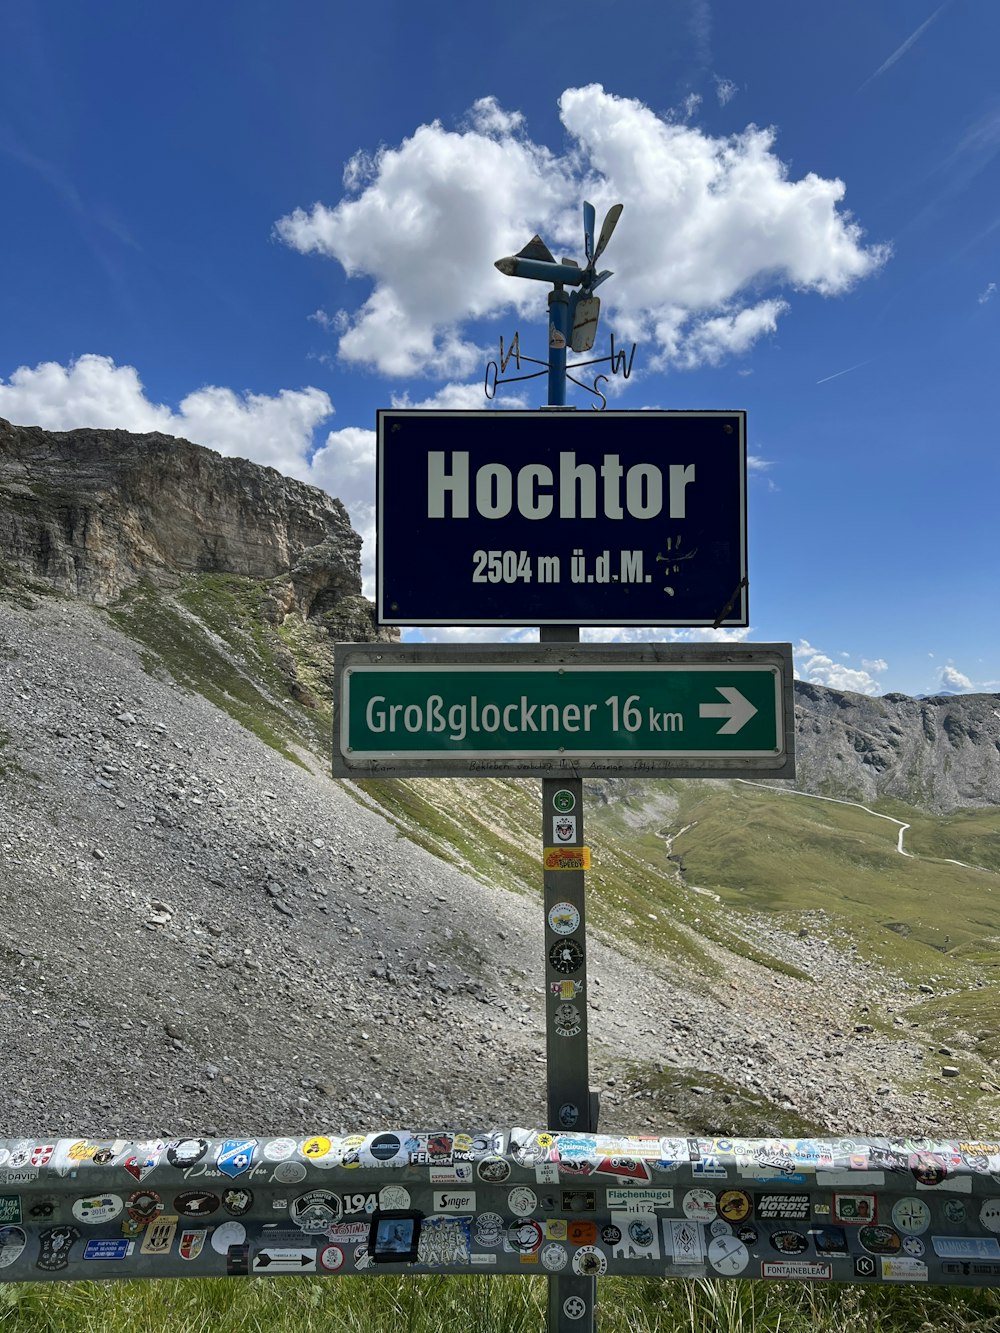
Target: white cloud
(487,116)
(94,391)
(953,679)
(707,221)
(987,294)
(815,666)
(460,397)
(877,666)
(725,90)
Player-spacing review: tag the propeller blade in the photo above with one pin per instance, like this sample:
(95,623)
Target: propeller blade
(589,218)
(610,223)
(601,277)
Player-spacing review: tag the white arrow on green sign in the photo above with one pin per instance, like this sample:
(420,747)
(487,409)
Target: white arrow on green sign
(655,710)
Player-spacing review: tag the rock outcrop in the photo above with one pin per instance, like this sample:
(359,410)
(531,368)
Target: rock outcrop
(93,512)
(939,753)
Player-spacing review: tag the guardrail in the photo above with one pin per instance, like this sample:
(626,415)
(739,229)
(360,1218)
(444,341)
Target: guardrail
(502,1201)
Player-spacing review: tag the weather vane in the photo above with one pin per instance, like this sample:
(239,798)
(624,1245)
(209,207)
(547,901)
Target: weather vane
(573,316)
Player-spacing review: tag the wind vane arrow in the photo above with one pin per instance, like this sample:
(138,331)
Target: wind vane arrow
(738,710)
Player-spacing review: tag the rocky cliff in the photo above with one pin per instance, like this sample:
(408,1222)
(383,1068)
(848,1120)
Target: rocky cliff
(94,512)
(940,753)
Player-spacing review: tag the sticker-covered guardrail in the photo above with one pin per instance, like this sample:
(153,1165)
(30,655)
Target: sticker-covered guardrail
(502,1201)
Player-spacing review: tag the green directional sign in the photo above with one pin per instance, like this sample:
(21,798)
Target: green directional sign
(550,709)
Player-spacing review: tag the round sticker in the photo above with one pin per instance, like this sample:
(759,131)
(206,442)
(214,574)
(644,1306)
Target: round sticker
(588,1261)
(196,1203)
(564,801)
(554,1257)
(143,1205)
(989,1214)
(230,1233)
(524,1237)
(237,1202)
(720,1228)
(728,1255)
(611,1235)
(278,1150)
(641,1233)
(289,1173)
(789,1242)
(522,1201)
(880,1239)
(384,1147)
(699,1205)
(954,1211)
(574,1307)
(315,1210)
(735,1205)
(493,1170)
(563,918)
(97,1209)
(316,1147)
(331,1257)
(186,1152)
(928,1168)
(566,956)
(489,1229)
(569,1114)
(913,1246)
(911,1216)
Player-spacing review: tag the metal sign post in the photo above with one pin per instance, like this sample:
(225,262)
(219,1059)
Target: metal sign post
(569,1100)
(572,1299)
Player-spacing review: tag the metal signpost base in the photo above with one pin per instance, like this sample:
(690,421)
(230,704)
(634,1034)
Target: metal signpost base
(570,1106)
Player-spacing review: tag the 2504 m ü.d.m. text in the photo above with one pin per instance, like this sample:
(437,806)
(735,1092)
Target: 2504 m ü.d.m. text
(513,518)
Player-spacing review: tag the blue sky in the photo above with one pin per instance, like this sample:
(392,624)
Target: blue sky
(254,225)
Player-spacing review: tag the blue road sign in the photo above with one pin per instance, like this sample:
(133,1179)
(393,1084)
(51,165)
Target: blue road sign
(556,518)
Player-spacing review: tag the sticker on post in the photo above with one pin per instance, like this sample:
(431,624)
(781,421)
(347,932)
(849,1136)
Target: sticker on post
(684,1240)
(567,858)
(563,918)
(566,1020)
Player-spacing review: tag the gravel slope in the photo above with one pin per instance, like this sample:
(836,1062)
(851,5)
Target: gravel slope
(197,934)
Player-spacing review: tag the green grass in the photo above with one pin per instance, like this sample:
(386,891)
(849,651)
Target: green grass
(221,651)
(437,1304)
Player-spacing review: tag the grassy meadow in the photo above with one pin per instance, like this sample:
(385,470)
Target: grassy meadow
(436,1304)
